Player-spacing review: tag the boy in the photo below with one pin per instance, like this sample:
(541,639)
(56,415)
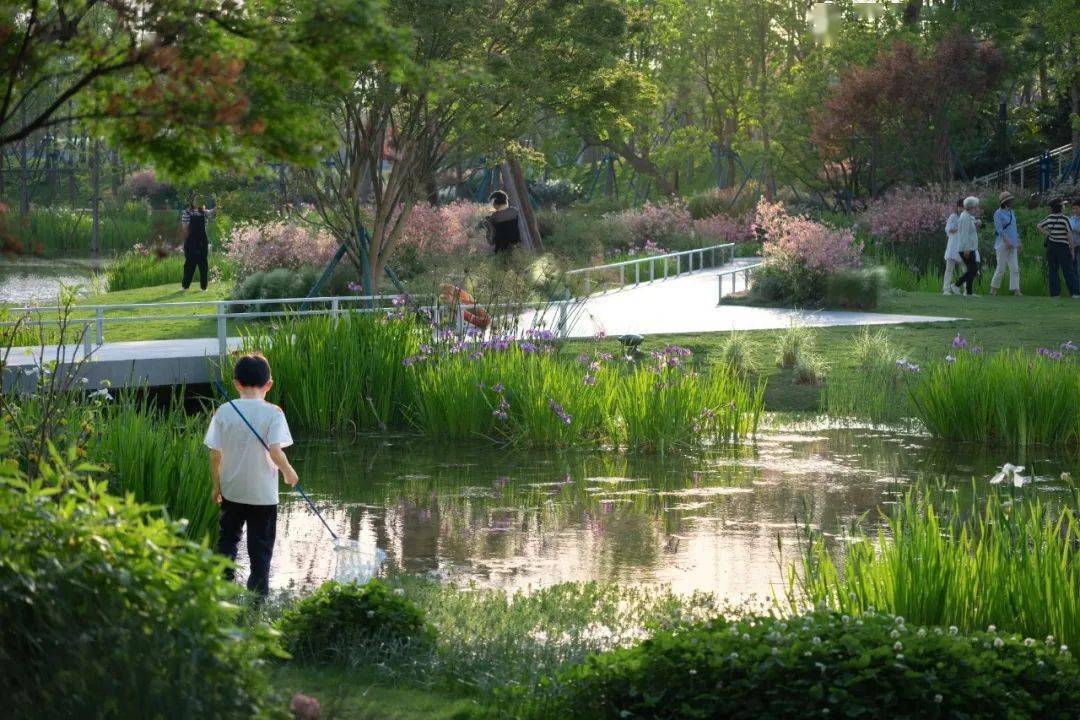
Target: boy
(245,474)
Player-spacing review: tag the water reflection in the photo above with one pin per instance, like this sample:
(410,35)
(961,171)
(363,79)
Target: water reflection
(38,281)
(512,518)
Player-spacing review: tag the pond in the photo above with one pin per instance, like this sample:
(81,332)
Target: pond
(26,281)
(727,521)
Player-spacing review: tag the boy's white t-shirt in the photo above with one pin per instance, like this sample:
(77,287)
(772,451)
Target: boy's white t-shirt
(248,475)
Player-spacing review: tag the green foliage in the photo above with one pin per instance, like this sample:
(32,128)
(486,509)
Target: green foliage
(283,283)
(1007,397)
(874,386)
(728,201)
(134,270)
(157,456)
(337,618)
(810,369)
(59,231)
(820,664)
(792,343)
(1012,563)
(738,352)
(105,608)
(857,289)
(795,286)
(340,373)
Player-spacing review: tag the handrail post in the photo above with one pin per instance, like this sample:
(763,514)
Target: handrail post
(563,329)
(223,341)
(435,313)
(460,319)
(99,317)
(637,273)
(652,270)
(622,275)
(335,307)
(588,282)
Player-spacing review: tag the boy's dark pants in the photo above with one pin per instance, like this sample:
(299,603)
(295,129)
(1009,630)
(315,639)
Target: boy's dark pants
(261,521)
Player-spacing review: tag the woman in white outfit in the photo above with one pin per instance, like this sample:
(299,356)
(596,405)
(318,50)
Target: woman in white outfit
(1006,245)
(967,244)
(952,256)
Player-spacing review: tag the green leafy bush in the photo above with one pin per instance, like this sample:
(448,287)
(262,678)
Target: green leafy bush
(338,616)
(822,664)
(857,289)
(557,192)
(726,201)
(284,282)
(106,611)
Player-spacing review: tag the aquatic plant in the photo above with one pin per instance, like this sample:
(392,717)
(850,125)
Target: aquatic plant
(342,373)
(738,353)
(792,343)
(157,456)
(874,387)
(1008,397)
(1010,564)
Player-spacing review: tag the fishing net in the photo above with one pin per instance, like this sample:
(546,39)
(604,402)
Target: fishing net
(356,562)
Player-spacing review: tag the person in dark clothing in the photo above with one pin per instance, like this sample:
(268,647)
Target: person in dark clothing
(1060,251)
(502,225)
(196,245)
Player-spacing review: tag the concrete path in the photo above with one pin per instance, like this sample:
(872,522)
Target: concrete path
(687,304)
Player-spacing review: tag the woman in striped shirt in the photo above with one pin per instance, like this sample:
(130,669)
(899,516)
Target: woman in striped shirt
(1060,251)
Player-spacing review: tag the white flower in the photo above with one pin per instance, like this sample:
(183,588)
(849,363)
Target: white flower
(894,634)
(399,591)
(1064,649)
(845,619)
(953,630)
(370,614)
(820,666)
(746,637)
(1050,640)
(992,629)
(1041,663)
(998,642)
(898,646)
(693,671)
(899,658)
(1011,473)
(1028,642)
(938,698)
(899,619)
(775,651)
(921,632)
(816,640)
(734,656)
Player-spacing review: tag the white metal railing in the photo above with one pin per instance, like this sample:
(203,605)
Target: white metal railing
(652,260)
(92,329)
(1062,154)
(745,271)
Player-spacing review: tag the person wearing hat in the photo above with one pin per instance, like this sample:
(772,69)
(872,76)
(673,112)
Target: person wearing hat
(1006,245)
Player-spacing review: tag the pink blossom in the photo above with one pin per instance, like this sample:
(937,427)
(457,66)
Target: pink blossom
(444,228)
(658,224)
(793,241)
(906,214)
(279,244)
(720,229)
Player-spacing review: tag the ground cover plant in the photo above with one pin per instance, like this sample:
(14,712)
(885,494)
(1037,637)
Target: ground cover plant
(1009,562)
(93,586)
(866,665)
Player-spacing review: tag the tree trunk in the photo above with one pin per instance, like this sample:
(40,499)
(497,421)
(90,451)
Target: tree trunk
(1044,90)
(1074,92)
(95,199)
(24,178)
(516,200)
(912,11)
(517,175)
(643,165)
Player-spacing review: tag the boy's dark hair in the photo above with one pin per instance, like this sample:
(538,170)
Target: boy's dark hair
(252,371)
(499,198)
(959,202)
(1055,206)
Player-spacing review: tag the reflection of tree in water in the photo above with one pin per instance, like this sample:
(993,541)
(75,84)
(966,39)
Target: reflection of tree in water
(497,514)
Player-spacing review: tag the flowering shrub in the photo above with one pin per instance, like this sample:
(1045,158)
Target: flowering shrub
(720,229)
(443,228)
(144,185)
(822,664)
(281,244)
(906,215)
(663,225)
(800,255)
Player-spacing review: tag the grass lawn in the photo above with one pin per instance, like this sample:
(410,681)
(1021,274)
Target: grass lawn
(160,329)
(346,695)
(993,322)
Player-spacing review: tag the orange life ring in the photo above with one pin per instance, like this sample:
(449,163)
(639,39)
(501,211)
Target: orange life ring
(454,294)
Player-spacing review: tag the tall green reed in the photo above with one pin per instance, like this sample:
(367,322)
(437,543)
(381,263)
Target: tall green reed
(875,387)
(1008,397)
(133,270)
(1012,563)
(158,456)
(339,374)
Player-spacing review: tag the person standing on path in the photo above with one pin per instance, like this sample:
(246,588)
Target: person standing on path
(967,244)
(1060,251)
(1074,223)
(1006,245)
(952,257)
(196,245)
